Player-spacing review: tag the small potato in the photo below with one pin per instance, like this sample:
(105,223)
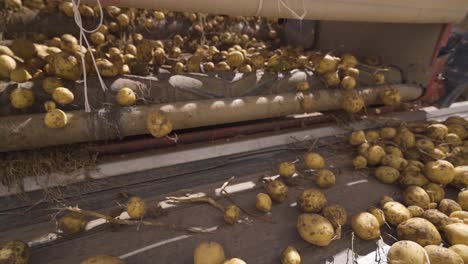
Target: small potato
(290,256)
(286,169)
(21,98)
(234,261)
(50,83)
(415,195)
(357,138)
(263,202)
(336,214)
(56,118)
(388,133)
(277,190)
(462,199)
(379,215)
(311,201)
(14,252)
(232,214)
(405,138)
(390,97)
(395,213)
(136,207)
(315,229)
(159,124)
(394,162)
(63,96)
(461,250)
(374,155)
(352,102)
(457,233)
(385,199)
(348,83)
(125,97)
(415,210)
(440,171)
(460,179)
(420,231)
(441,255)
(437,218)
(209,253)
(387,175)
(425,144)
(435,191)
(409,178)
(325,179)
(447,206)
(394,151)
(406,252)
(372,136)
(314,161)
(359,162)
(414,165)
(366,226)
(437,131)
(72,223)
(102,259)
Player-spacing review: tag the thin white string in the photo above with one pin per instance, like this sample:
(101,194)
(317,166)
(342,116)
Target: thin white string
(79,23)
(301,17)
(259,8)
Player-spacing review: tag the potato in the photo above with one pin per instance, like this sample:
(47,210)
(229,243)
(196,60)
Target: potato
(311,200)
(435,191)
(21,98)
(372,136)
(425,144)
(385,199)
(437,218)
(441,255)
(457,233)
(314,161)
(23,48)
(359,162)
(125,97)
(209,253)
(136,207)
(363,148)
(451,139)
(458,129)
(459,214)
(461,250)
(232,214)
(286,169)
(348,83)
(20,75)
(394,151)
(336,214)
(325,178)
(447,206)
(72,223)
(390,97)
(49,105)
(379,215)
(263,202)
(414,165)
(395,213)
(352,102)
(394,162)
(440,171)
(14,252)
(66,65)
(405,138)
(366,226)
(277,190)
(409,178)
(387,174)
(415,210)
(328,64)
(4,50)
(357,138)
(7,65)
(462,199)
(437,131)
(234,261)
(290,256)
(415,195)
(374,155)
(235,58)
(55,118)
(159,124)
(348,61)
(420,231)
(63,96)
(407,252)
(388,133)
(315,229)
(460,179)
(107,68)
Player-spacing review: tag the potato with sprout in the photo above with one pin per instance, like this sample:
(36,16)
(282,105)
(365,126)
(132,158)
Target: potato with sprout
(136,207)
(232,214)
(365,226)
(315,229)
(325,178)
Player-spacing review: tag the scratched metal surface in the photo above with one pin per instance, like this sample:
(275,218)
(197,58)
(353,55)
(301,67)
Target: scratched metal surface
(254,241)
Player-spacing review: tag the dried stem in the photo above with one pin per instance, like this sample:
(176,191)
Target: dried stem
(205,199)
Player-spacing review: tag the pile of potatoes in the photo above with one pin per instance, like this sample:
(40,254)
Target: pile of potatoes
(424,159)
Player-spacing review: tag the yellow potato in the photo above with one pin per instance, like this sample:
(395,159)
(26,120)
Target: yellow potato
(453,139)
(7,65)
(437,131)
(409,178)
(15,252)
(406,252)
(459,214)
(372,136)
(136,207)
(359,162)
(102,259)
(20,75)
(209,253)
(415,210)
(336,214)
(425,144)
(263,202)
(419,230)
(363,148)
(348,83)
(379,78)
(415,195)
(328,64)
(414,165)
(314,161)
(352,72)
(391,150)
(460,179)
(394,162)
(379,215)
(325,178)
(387,175)
(461,250)
(385,199)
(232,214)
(286,169)
(357,138)
(66,65)
(435,191)
(55,118)
(448,206)
(352,102)
(440,171)
(49,105)
(458,129)
(159,124)
(457,233)
(277,190)
(462,199)
(388,133)
(331,79)
(315,229)
(50,83)
(366,226)
(21,98)
(23,48)
(97,38)
(311,201)
(234,261)
(63,96)
(235,59)
(126,97)
(123,20)
(395,213)
(4,50)
(348,61)
(290,256)
(390,97)
(437,218)
(72,223)
(441,255)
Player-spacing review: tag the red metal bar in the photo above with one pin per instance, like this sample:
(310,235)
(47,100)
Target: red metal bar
(209,135)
